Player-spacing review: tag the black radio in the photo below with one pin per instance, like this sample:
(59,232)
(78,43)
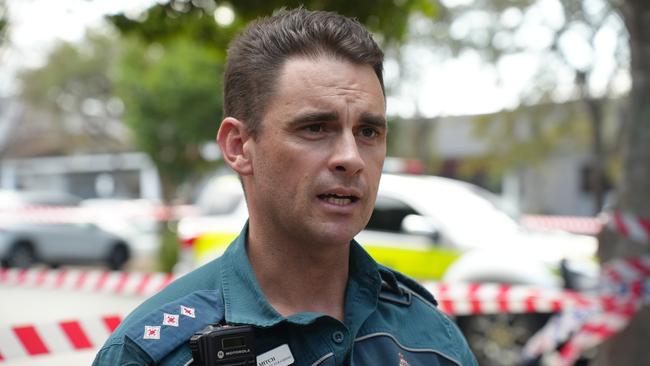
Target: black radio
(224,345)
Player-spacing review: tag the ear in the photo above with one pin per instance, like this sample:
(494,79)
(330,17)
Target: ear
(232,138)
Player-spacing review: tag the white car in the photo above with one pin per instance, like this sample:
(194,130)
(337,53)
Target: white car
(425,226)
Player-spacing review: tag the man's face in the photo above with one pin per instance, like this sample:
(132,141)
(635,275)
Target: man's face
(317,159)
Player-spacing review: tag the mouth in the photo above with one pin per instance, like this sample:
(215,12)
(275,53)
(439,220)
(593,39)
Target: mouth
(338,199)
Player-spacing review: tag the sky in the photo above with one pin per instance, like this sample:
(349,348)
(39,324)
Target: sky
(36,25)
(37,22)
(465,84)
(462,85)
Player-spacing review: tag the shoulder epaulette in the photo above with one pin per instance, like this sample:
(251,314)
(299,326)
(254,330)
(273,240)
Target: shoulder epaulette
(399,288)
(164,329)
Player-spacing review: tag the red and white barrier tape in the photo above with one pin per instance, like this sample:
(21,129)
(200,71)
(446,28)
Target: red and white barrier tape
(454,299)
(625,288)
(45,215)
(486,298)
(82,214)
(121,283)
(631,226)
(59,337)
(573,224)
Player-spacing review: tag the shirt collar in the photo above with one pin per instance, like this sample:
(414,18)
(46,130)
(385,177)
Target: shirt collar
(245,302)
(243,298)
(364,286)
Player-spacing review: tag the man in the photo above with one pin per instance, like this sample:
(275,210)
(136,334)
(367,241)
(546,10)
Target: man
(305,129)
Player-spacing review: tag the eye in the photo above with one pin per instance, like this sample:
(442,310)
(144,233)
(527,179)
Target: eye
(315,128)
(368,132)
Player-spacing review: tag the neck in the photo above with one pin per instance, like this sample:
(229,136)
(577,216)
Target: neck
(297,275)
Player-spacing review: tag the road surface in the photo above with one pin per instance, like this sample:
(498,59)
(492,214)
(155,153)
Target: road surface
(31,306)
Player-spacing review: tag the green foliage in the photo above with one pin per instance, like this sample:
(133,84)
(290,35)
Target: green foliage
(172,95)
(75,83)
(169,249)
(170,75)
(4,20)
(194,19)
(72,74)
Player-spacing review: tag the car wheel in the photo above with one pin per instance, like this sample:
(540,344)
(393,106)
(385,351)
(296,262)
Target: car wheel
(498,339)
(21,255)
(117,257)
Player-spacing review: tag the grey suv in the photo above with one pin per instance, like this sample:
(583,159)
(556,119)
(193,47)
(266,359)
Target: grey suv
(26,238)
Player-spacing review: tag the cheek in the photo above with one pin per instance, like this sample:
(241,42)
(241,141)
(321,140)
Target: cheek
(375,165)
(291,173)
(375,153)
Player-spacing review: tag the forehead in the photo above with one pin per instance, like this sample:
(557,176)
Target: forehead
(326,78)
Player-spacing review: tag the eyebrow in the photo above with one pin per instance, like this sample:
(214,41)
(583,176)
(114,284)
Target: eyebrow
(367,118)
(314,117)
(374,120)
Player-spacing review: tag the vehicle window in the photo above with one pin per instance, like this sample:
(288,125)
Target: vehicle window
(220,196)
(15,199)
(458,207)
(51,199)
(388,215)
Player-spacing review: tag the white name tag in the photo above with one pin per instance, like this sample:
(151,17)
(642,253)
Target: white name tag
(280,356)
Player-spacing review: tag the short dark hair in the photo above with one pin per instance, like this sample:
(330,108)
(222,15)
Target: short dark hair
(256,56)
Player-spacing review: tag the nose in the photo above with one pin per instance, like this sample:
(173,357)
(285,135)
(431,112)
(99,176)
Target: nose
(346,158)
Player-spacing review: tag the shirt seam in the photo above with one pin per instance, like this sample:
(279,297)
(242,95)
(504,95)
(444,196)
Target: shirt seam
(410,349)
(447,322)
(323,358)
(122,342)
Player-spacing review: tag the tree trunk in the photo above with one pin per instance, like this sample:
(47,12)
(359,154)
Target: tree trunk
(598,159)
(630,347)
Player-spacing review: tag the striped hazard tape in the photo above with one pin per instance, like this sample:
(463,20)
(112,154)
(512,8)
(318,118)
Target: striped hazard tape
(59,337)
(490,298)
(573,224)
(453,298)
(631,226)
(625,289)
(82,214)
(120,283)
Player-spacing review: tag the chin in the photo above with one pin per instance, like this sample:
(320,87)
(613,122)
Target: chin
(336,233)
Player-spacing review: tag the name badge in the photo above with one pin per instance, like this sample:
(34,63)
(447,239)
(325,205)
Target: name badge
(280,356)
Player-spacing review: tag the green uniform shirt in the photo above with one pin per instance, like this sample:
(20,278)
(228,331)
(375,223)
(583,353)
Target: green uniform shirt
(389,319)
